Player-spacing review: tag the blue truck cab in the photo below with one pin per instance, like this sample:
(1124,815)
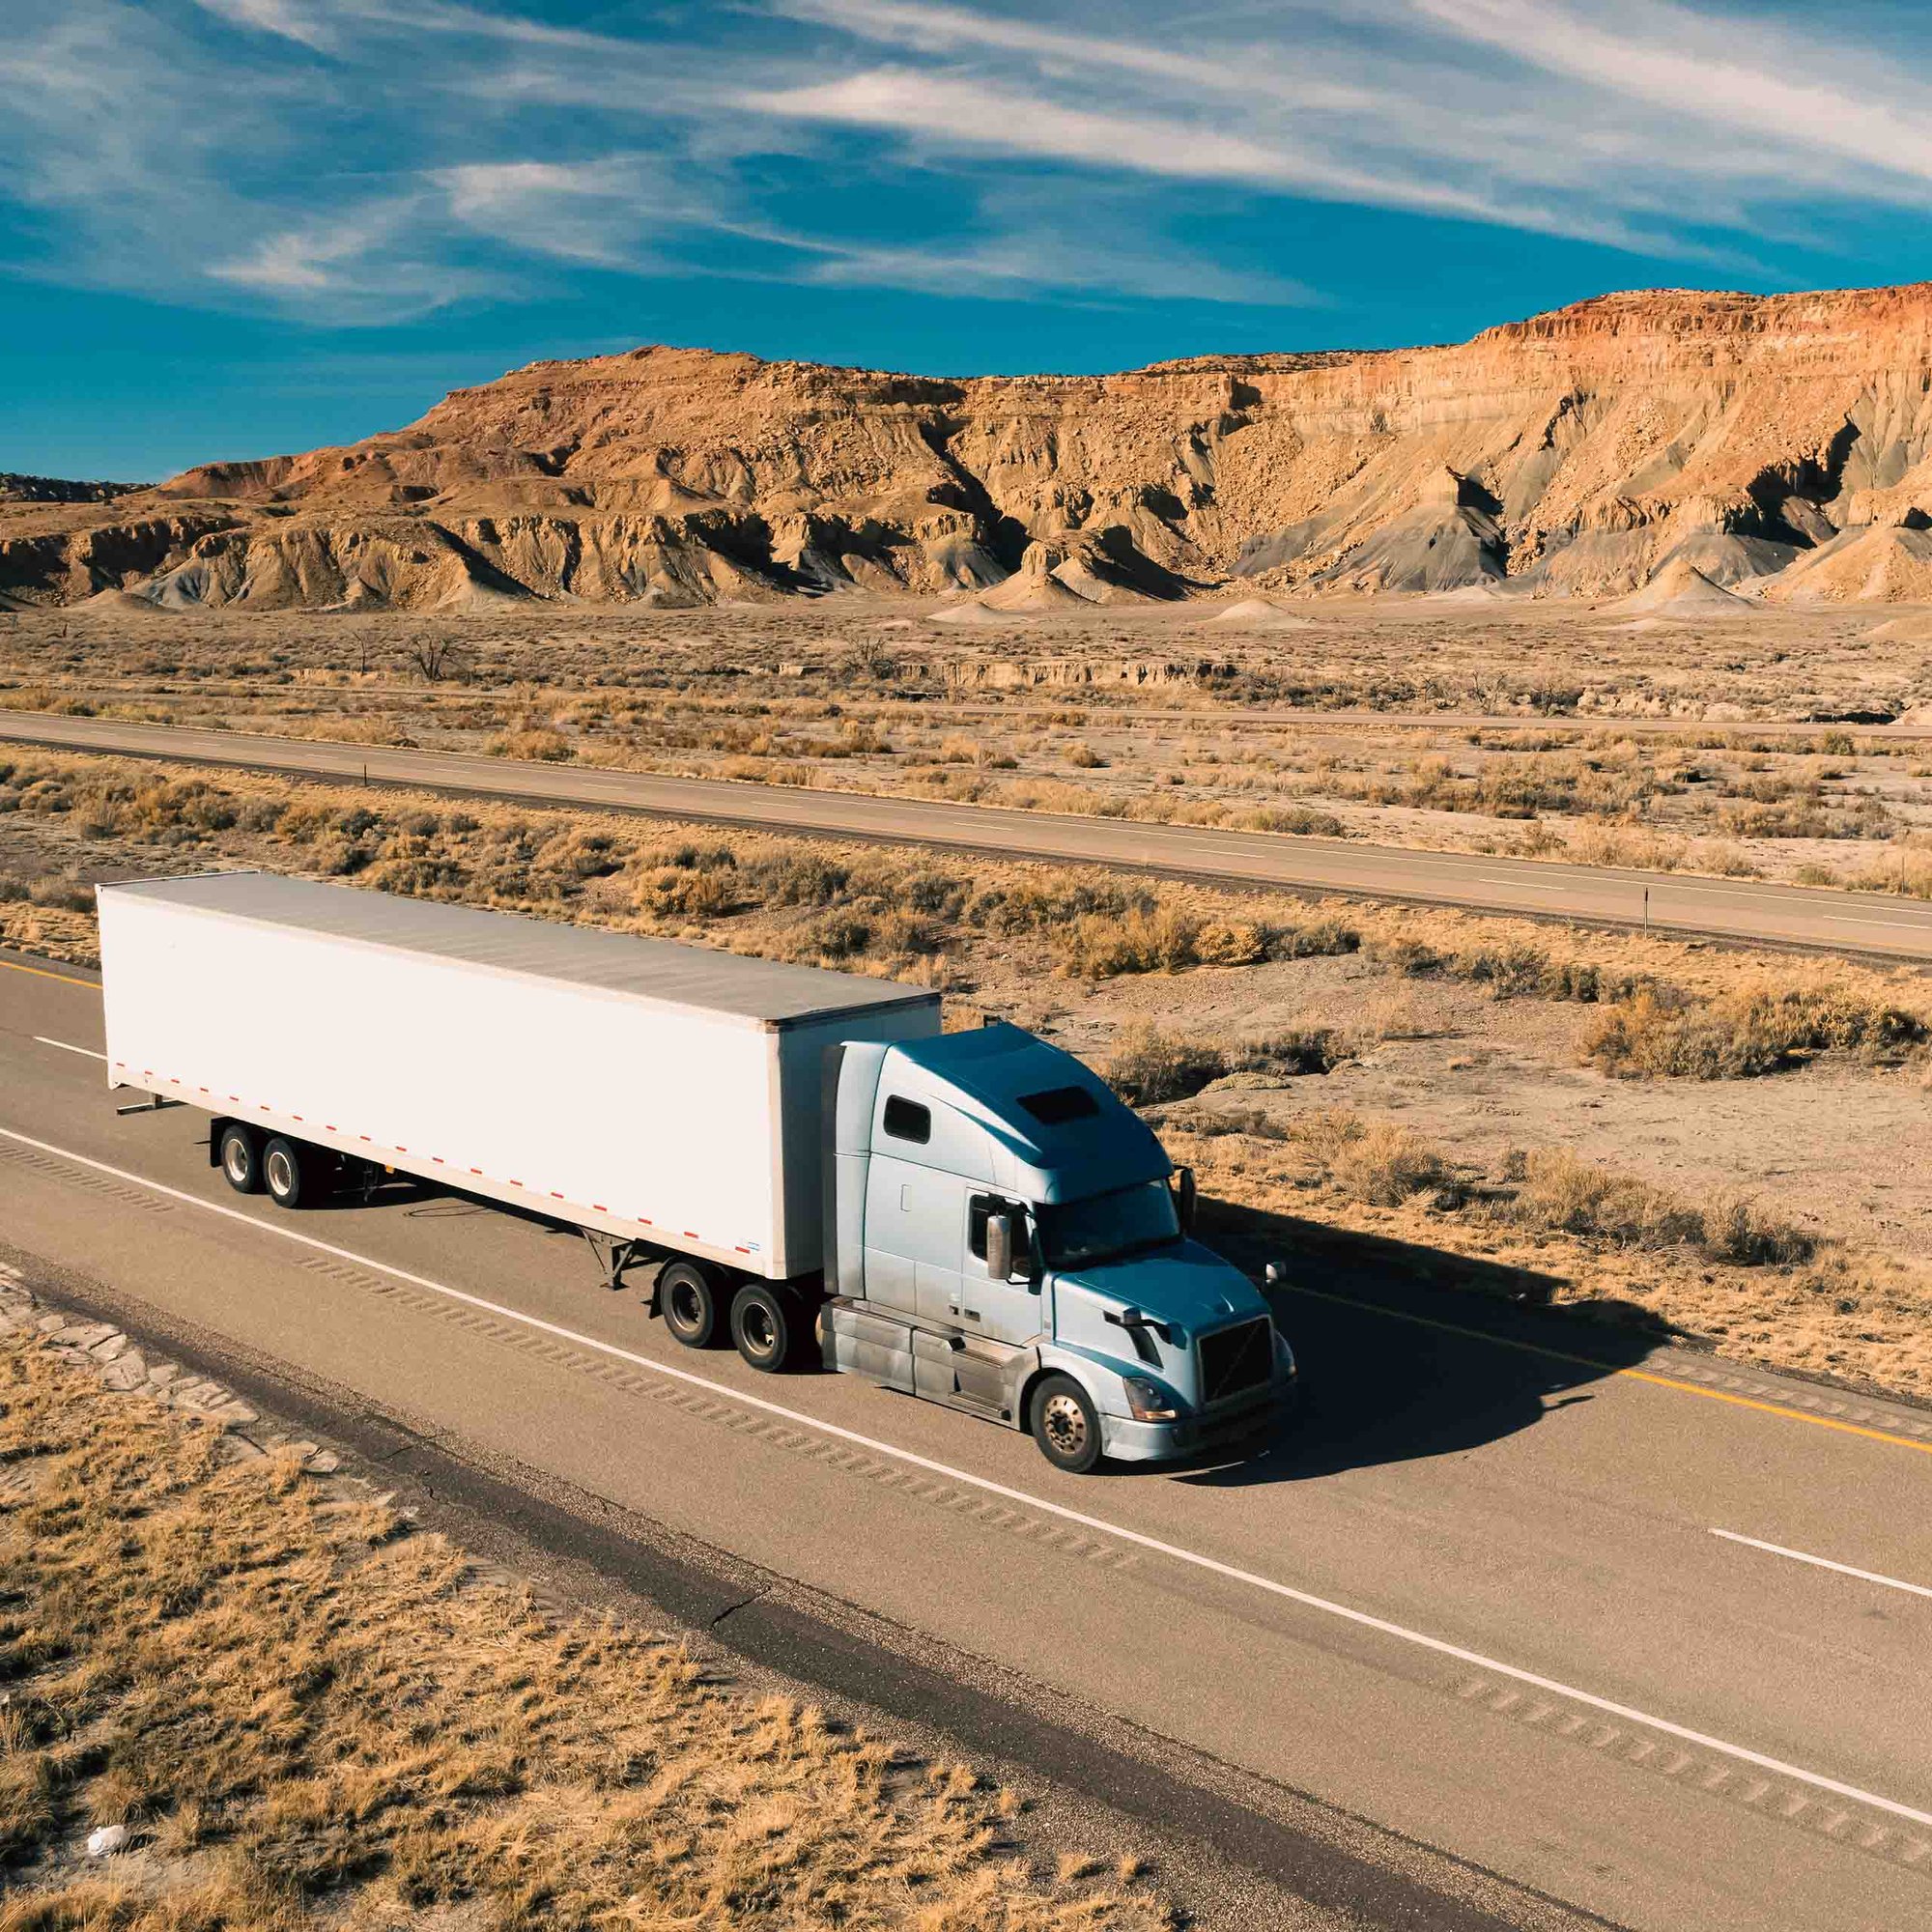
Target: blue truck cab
(1007,1237)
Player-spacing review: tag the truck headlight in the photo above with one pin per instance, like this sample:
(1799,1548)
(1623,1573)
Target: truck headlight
(1149,1401)
(1283,1355)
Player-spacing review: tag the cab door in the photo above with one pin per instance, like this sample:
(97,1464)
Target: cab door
(1003,1311)
(914,1213)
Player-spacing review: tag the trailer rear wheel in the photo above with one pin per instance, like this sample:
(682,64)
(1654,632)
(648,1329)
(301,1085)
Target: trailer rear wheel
(240,1159)
(295,1174)
(687,1302)
(1066,1424)
(766,1323)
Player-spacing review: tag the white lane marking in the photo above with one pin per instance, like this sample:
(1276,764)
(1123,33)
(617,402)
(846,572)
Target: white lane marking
(1823,1563)
(41,1040)
(1362,1619)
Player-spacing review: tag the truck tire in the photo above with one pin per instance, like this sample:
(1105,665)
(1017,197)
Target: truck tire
(687,1301)
(1066,1424)
(767,1324)
(239,1156)
(295,1174)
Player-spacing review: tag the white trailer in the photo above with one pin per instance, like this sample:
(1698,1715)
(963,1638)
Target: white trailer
(973,1217)
(663,1098)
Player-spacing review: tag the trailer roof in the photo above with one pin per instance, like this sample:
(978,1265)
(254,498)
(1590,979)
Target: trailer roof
(764,991)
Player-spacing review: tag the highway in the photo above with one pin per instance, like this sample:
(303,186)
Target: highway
(1609,1624)
(1734,910)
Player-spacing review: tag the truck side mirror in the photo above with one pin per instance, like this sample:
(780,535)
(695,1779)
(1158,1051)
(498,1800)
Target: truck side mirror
(1184,1198)
(999,1246)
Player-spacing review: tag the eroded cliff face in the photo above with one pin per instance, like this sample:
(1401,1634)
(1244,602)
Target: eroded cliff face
(1782,445)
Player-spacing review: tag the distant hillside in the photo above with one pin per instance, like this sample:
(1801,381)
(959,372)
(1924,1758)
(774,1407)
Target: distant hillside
(1775,445)
(14,489)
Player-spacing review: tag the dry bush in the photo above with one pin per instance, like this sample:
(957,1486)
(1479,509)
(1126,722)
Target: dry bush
(1297,820)
(1150,1067)
(535,742)
(1381,1163)
(1752,1032)
(1572,1195)
(1295,1050)
(1101,947)
(362,1732)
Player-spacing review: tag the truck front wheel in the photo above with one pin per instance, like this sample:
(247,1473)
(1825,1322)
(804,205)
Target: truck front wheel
(767,1324)
(294,1174)
(1065,1425)
(240,1158)
(687,1302)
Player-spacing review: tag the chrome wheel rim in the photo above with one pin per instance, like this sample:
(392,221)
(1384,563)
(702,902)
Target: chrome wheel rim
(282,1173)
(686,1310)
(235,1160)
(1064,1422)
(760,1331)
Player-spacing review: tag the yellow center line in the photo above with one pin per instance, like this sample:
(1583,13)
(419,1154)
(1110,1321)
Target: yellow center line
(42,972)
(1778,1409)
(1611,1369)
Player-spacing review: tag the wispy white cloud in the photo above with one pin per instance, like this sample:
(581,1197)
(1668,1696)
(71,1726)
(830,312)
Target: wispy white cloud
(352,160)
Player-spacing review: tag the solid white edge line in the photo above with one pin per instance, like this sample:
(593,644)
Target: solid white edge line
(1823,1563)
(1362,1619)
(41,1040)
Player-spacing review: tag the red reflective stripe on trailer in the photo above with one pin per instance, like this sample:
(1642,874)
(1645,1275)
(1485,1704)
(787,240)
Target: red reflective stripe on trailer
(513,1183)
(438,1159)
(743,1249)
(295,1116)
(598,1207)
(555,1195)
(691,1233)
(475,1169)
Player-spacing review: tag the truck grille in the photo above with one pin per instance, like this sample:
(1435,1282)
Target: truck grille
(1235,1359)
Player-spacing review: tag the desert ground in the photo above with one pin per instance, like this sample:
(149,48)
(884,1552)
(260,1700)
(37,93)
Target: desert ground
(1723,1143)
(1609,741)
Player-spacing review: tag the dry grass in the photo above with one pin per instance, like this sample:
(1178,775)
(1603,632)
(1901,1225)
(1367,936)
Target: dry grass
(1671,1009)
(312,1718)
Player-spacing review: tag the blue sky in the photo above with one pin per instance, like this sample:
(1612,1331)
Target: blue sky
(234,227)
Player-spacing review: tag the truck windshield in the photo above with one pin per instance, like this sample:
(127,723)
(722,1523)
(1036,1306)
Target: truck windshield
(1104,1226)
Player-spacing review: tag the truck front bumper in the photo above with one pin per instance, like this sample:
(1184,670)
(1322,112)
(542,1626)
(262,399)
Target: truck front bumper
(1129,1441)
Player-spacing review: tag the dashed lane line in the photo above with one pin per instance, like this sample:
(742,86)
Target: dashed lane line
(1173,1551)
(66,1047)
(1823,1563)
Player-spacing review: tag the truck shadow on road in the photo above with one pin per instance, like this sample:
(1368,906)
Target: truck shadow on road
(1408,1352)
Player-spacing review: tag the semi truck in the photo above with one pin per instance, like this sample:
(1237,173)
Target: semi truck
(804,1160)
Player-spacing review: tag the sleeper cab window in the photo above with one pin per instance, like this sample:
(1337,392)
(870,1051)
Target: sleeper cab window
(908,1121)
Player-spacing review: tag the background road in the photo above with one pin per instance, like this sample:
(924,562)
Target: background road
(1730,909)
(1543,1503)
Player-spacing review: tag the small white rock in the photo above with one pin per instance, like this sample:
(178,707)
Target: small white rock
(109,1840)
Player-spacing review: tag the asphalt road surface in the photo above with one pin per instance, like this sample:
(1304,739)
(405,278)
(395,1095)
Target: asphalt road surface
(1624,1626)
(1727,909)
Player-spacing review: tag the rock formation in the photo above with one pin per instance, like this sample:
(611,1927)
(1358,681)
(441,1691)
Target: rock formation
(1783,444)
